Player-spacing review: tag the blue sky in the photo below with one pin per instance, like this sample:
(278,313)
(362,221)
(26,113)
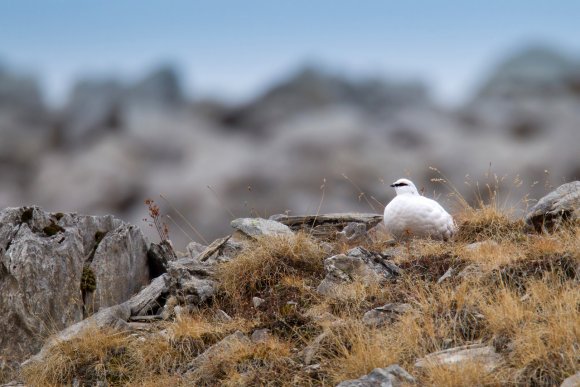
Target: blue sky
(235,48)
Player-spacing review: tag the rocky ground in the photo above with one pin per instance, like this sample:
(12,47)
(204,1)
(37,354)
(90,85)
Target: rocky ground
(316,300)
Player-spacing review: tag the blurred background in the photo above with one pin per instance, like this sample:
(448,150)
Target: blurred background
(232,109)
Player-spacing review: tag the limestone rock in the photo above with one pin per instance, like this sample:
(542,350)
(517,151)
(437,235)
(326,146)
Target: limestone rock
(479,353)
(357,263)
(559,205)
(253,227)
(385,314)
(191,281)
(391,376)
(328,226)
(51,264)
(149,300)
(572,381)
(260,335)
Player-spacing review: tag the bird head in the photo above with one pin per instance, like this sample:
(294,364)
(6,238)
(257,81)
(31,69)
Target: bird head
(405,186)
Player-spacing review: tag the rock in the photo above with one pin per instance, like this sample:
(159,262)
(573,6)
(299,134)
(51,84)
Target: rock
(533,72)
(357,263)
(311,350)
(194,249)
(52,264)
(391,376)
(385,314)
(562,204)
(191,281)
(158,90)
(213,249)
(149,300)
(353,232)
(95,107)
(260,335)
(253,227)
(572,381)
(471,271)
(108,317)
(329,226)
(313,89)
(482,354)
(222,316)
(222,346)
(158,255)
(257,301)
(446,275)
(123,250)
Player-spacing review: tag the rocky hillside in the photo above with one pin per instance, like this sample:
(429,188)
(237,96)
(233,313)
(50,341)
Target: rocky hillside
(293,300)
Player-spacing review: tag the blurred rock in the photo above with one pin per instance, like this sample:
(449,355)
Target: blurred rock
(483,355)
(20,96)
(560,205)
(391,376)
(385,314)
(312,89)
(535,71)
(94,108)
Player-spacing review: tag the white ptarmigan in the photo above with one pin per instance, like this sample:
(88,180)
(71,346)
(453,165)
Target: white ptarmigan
(410,215)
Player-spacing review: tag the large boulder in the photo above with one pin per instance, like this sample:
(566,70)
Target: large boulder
(56,269)
(562,204)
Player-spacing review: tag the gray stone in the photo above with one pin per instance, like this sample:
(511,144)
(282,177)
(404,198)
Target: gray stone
(123,250)
(222,316)
(351,226)
(260,335)
(446,275)
(357,263)
(253,227)
(224,345)
(194,249)
(158,255)
(311,350)
(572,381)
(385,314)
(148,300)
(559,205)
(391,376)
(43,258)
(353,232)
(257,301)
(482,354)
(191,281)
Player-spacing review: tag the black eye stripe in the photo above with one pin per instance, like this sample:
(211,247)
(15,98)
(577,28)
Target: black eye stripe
(399,185)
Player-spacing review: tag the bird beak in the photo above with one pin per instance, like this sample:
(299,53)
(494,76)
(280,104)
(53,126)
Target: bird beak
(392,185)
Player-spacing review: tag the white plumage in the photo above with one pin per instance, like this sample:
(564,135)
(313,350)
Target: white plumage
(410,215)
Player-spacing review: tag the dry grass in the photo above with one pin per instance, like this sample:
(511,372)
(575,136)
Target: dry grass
(521,297)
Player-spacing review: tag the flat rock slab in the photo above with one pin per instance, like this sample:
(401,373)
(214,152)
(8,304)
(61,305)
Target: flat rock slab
(559,205)
(484,355)
(254,227)
(328,226)
(385,314)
